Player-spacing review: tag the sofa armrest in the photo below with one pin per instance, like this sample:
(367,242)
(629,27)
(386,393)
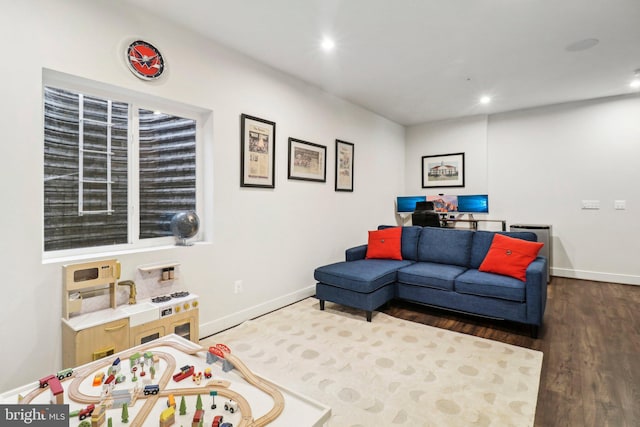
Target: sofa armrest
(536,289)
(356,253)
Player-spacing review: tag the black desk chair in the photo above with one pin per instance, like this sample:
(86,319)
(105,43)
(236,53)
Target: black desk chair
(425,216)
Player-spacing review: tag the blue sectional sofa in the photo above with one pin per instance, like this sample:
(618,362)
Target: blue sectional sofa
(439,267)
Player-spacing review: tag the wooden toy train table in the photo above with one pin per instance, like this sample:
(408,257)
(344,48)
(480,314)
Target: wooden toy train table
(253,400)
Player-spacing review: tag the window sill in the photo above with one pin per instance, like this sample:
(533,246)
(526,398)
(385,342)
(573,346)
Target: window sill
(113,253)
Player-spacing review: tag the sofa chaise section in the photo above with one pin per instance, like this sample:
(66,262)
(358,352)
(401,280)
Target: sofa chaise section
(363,284)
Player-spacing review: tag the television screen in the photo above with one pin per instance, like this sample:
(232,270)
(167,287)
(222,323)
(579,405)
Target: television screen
(444,204)
(476,203)
(408,203)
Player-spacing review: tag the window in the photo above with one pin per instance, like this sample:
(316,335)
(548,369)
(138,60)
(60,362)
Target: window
(115,172)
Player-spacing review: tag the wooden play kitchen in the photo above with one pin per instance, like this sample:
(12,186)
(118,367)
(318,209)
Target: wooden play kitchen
(94,326)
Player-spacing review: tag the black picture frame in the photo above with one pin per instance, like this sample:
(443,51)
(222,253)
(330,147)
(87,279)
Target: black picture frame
(443,170)
(344,165)
(307,161)
(257,152)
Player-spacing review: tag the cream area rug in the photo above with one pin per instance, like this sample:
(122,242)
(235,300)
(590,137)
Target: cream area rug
(389,372)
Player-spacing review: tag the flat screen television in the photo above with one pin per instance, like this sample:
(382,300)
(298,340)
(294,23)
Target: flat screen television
(444,204)
(408,203)
(475,203)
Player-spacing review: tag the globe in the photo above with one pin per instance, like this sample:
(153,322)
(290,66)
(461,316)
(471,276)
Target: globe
(185,225)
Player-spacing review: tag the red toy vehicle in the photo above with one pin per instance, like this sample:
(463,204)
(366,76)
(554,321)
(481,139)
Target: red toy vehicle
(86,412)
(217,420)
(45,381)
(185,371)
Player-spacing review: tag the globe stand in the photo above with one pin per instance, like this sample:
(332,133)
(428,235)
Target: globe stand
(184,225)
(183,242)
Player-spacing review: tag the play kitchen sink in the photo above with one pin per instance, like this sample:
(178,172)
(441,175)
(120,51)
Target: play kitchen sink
(140,313)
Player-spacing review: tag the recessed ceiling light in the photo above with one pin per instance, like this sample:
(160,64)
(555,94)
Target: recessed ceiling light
(328,44)
(485,100)
(635,83)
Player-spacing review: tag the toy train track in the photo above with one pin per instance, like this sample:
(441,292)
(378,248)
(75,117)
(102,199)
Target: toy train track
(261,384)
(221,387)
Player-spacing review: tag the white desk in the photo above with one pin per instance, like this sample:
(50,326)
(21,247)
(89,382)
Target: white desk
(473,223)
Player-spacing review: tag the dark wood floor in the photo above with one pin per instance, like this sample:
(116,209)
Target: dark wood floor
(591,345)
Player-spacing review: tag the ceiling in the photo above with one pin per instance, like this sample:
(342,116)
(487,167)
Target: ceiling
(414,61)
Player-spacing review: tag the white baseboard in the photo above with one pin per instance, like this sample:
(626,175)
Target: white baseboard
(625,279)
(217,325)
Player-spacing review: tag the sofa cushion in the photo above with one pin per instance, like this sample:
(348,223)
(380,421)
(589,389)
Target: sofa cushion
(364,275)
(445,246)
(410,236)
(431,275)
(385,244)
(510,256)
(476,282)
(482,242)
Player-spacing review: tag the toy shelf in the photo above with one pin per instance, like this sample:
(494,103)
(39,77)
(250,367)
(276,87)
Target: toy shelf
(151,267)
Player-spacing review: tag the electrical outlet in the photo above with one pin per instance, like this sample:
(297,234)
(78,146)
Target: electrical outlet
(620,205)
(237,287)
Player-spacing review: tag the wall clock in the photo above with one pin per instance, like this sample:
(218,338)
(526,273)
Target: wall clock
(144,60)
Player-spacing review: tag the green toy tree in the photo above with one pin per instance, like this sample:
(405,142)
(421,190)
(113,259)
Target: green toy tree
(199,403)
(109,422)
(183,406)
(125,413)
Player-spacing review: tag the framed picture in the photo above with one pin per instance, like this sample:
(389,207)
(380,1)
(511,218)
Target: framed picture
(444,170)
(307,161)
(344,166)
(258,152)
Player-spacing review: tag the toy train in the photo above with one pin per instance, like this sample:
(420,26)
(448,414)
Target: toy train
(151,389)
(185,371)
(231,406)
(65,373)
(87,412)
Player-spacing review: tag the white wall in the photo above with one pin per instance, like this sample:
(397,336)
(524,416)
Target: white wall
(541,163)
(467,135)
(270,239)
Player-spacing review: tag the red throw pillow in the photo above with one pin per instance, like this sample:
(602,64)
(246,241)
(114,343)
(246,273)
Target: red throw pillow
(385,244)
(510,256)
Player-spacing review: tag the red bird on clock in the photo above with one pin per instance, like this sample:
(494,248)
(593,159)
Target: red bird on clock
(144,60)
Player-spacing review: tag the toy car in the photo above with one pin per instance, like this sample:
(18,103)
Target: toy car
(151,389)
(98,379)
(86,412)
(64,373)
(44,382)
(231,406)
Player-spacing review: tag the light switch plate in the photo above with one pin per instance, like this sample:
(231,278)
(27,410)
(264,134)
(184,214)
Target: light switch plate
(591,204)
